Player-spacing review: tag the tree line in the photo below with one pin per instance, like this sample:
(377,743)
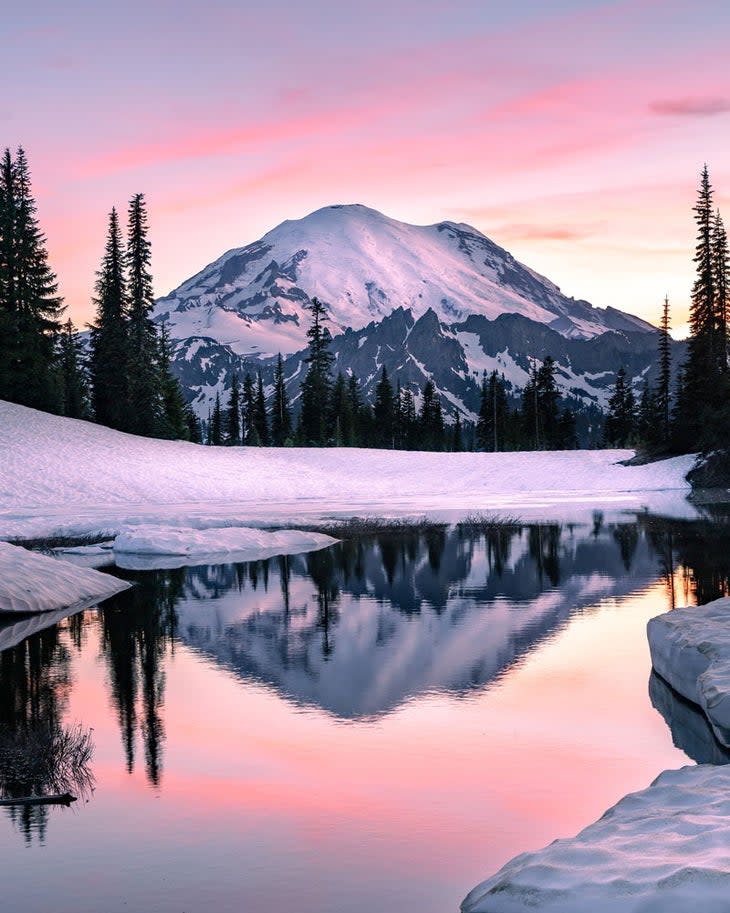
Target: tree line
(123,378)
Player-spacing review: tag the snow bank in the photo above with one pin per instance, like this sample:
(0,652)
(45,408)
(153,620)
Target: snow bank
(190,546)
(661,850)
(30,582)
(690,648)
(61,475)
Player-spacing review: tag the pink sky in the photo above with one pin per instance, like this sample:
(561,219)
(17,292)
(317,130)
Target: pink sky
(570,132)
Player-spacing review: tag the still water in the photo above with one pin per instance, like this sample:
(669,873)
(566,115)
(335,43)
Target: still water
(374,727)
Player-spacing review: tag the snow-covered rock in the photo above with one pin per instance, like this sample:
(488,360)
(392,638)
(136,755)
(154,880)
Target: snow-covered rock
(30,582)
(662,850)
(64,476)
(192,546)
(690,648)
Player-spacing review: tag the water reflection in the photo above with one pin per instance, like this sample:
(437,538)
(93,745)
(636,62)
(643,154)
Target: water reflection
(360,628)
(691,731)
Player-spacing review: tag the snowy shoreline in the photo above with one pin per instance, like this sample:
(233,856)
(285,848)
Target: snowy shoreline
(67,477)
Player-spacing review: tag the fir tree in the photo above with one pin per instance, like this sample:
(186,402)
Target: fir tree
(261,422)
(281,426)
(408,420)
(72,369)
(341,418)
(315,390)
(384,412)
(457,440)
(663,392)
(142,347)
(431,419)
(215,427)
(493,412)
(175,414)
(248,409)
(359,412)
(621,418)
(233,413)
(109,336)
(548,399)
(646,424)
(30,309)
(719,253)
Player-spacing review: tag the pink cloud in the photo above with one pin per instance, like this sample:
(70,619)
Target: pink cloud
(692,106)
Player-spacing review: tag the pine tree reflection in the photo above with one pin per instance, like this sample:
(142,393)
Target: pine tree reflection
(39,755)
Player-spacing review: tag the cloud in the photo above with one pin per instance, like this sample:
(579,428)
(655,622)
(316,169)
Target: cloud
(699,106)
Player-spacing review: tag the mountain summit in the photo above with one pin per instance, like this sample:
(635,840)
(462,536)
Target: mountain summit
(363,265)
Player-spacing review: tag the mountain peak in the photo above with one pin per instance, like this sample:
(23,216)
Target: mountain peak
(362,264)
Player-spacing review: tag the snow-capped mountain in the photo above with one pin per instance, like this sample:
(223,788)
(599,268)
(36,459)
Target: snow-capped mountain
(440,302)
(362,265)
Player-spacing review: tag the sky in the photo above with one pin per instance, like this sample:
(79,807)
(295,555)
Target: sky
(571,133)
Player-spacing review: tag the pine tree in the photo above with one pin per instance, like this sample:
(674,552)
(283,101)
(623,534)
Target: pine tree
(408,420)
(233,413)
(215,427)
(493,412)
(719,253)
(315,390)
(30,309)
(359,412)
(175,418)
(457,440)
(663,392)
(341,418)
(261,422)
(548,399)
(142,346)
(384,412)
(281,426)
(248,410)
(109,336)
(431,419)
(621,418)
(72,369)
(646,424)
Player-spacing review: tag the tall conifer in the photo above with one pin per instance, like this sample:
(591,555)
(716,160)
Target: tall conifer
(313,420)
(281,427)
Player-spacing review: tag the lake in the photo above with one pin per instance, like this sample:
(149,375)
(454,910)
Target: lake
(377,726)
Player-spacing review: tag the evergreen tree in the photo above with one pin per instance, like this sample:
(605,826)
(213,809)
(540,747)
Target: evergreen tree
(548,399)
(215,427)
(408,420)
(248,397)
(647,430)
(109,336)
(663,392)
(719,253)
(621,418)
(341,418)
(30,309)
(142,347)
(457,440)
(359,411)
(74,388)
(315,390)
(261,422)
(493,413)
(233,413)
(195,433)
(281,426)
(384,412)
(431,419)
(175,414)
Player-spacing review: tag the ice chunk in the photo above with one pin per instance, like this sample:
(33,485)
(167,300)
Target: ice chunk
(690,649)
(31,582)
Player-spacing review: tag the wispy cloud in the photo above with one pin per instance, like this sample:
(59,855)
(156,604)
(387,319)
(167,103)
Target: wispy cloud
(700,106)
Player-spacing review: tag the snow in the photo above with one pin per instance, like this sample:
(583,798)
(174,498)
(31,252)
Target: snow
(67,477)
(362,264)
(179,546)
(690,649)
(31,582)
(661,850)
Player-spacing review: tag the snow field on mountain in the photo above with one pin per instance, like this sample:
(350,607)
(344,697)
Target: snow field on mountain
(661,850)
(66,476)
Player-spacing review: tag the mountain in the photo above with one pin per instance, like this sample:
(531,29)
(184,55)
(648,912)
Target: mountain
(362,265)
(442,302)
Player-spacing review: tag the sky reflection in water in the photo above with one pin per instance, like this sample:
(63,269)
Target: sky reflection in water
(375,726)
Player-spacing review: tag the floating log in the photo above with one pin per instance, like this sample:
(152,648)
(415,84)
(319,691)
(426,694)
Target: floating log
(63,799)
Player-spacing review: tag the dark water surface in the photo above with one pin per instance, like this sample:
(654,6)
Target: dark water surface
(374,727)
